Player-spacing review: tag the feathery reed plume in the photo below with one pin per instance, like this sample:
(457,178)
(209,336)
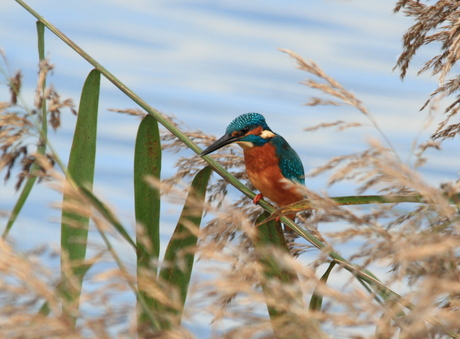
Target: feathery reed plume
(329,86)
(20,126)
(434,23)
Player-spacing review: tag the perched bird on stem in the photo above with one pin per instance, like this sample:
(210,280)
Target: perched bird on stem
(268,159)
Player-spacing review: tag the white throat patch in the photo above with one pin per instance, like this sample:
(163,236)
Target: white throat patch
(245,144)
(267,134)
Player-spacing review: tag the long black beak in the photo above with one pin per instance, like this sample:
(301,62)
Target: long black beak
(225,140)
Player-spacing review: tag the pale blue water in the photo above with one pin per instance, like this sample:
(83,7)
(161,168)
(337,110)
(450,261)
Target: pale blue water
(207,62)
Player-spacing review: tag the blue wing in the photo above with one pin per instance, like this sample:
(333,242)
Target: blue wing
(289,161)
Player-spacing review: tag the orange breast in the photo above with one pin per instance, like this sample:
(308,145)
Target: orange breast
(264,173)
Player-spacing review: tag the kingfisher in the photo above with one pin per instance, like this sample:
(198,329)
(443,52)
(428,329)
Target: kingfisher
(268,159)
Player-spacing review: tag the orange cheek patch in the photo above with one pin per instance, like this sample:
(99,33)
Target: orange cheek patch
(256,131)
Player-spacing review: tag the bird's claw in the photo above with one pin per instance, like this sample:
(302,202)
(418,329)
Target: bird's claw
(257,198)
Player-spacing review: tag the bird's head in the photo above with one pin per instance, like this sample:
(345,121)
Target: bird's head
(247,130)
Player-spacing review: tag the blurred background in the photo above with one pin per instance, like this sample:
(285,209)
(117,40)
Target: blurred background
(207,62)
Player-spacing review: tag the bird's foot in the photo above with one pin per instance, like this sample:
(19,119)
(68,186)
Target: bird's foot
(257,198)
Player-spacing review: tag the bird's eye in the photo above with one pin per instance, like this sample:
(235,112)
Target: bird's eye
(245,130)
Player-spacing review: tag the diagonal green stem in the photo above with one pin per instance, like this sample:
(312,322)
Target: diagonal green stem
(305,205)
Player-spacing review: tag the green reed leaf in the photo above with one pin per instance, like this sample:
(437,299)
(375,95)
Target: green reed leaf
(281,285)
(316,300)
(180,253)
(147,162)
(74,227)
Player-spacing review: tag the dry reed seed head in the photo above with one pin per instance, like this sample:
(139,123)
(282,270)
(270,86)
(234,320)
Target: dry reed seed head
(172,143)
(328,85)
(420,160)
(16,127)
(130,111)
(225,226)
(440,17)
(4,105)
(14,130)
(25,285)
(75,200)
(40,96)
(55,105)
(43,167)
(404,175)
(15,87)
(238,286)
(423,249)
(356,167)
(443,132)
(448,132)
(319,101)
(175,192)
(341,125)
(242,282)
(106,314)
